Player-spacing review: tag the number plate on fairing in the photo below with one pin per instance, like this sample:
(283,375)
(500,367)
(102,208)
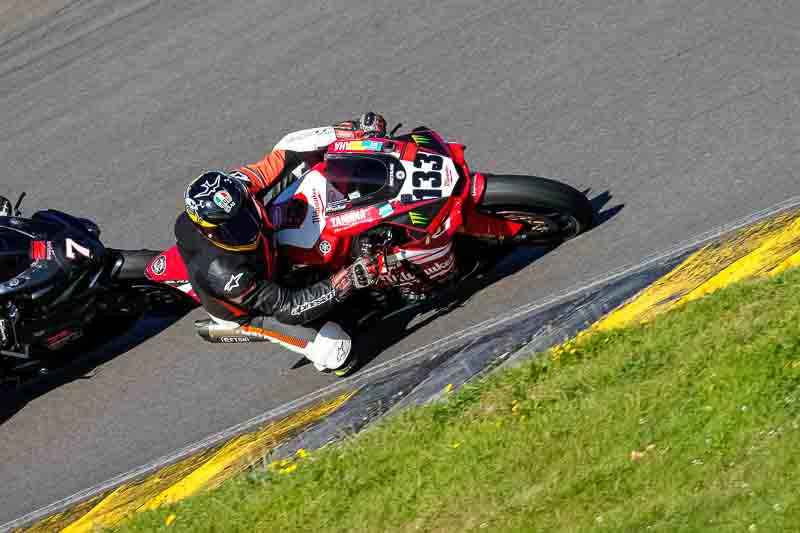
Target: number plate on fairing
(428,177)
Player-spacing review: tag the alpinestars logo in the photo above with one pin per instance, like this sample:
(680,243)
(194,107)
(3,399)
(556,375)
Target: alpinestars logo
(233,282)
(208,188)
(325,298)
(341,352)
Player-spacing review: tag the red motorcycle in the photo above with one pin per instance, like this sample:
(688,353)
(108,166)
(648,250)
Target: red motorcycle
(412,200)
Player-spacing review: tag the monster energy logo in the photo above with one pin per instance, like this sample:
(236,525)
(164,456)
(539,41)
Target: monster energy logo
(421,139)
(418,219)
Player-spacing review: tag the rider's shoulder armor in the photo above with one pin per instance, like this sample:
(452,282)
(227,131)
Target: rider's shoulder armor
(230,276)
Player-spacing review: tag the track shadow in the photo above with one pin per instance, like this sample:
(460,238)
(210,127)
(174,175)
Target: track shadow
(499,263)
(371,341)
(80,362)
(601,215)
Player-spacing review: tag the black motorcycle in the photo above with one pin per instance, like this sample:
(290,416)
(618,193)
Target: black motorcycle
(59,285)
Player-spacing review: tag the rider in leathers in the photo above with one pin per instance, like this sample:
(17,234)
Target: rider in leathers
(226,240)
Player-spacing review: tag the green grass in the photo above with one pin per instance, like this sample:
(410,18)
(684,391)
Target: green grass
(689,423)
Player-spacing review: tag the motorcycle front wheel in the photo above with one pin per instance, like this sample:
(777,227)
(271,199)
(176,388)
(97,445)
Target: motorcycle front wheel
(550,211)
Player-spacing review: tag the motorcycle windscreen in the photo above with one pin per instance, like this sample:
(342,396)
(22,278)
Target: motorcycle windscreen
(14,254)
(359,180)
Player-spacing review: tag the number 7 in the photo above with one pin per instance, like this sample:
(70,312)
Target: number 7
(73,247)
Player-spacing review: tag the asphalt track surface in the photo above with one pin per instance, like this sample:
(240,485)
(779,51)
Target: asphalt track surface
(679,116)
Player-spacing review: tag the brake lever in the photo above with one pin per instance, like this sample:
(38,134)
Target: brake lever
(17,209)
(394,130)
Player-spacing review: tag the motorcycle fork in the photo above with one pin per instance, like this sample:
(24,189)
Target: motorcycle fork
(485,226)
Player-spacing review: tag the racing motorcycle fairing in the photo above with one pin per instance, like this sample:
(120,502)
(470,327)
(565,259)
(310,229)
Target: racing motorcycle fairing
(365,183)
(65,269)
(408,195)
(57,245)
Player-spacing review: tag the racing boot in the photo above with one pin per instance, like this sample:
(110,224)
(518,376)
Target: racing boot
(331,350)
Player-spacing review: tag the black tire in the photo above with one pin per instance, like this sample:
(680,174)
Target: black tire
(553,211)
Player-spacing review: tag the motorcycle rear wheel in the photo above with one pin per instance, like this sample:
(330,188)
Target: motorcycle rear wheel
(550,211)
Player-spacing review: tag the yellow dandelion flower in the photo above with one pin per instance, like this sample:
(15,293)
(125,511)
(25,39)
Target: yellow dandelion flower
(170,519)
(301,453)
(288,470)
(449,387)
(456,444)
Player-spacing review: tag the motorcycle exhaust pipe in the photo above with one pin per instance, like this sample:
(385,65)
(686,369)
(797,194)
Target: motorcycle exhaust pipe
(217,333)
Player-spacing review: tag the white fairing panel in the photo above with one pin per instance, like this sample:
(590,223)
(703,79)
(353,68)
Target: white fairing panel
(309,140)
(312,187)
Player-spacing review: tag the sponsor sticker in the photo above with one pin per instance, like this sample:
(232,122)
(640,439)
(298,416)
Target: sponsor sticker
(325,247)
(319,207)
(63,337)
(422,140)
(224,200)
(385,210)
(349,218)
(234,340)
(357,146)
(159,266)
(338,206)
(418,219)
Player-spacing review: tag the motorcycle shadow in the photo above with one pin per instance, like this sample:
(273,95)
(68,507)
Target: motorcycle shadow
(80,361)
(498,262)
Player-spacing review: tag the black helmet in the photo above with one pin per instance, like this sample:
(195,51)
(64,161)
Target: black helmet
(224,211)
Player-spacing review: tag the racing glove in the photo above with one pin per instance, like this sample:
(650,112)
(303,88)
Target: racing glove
(363,273)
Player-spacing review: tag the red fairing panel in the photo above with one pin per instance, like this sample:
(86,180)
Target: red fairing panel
(478,187)
(481,225)
(169,269)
